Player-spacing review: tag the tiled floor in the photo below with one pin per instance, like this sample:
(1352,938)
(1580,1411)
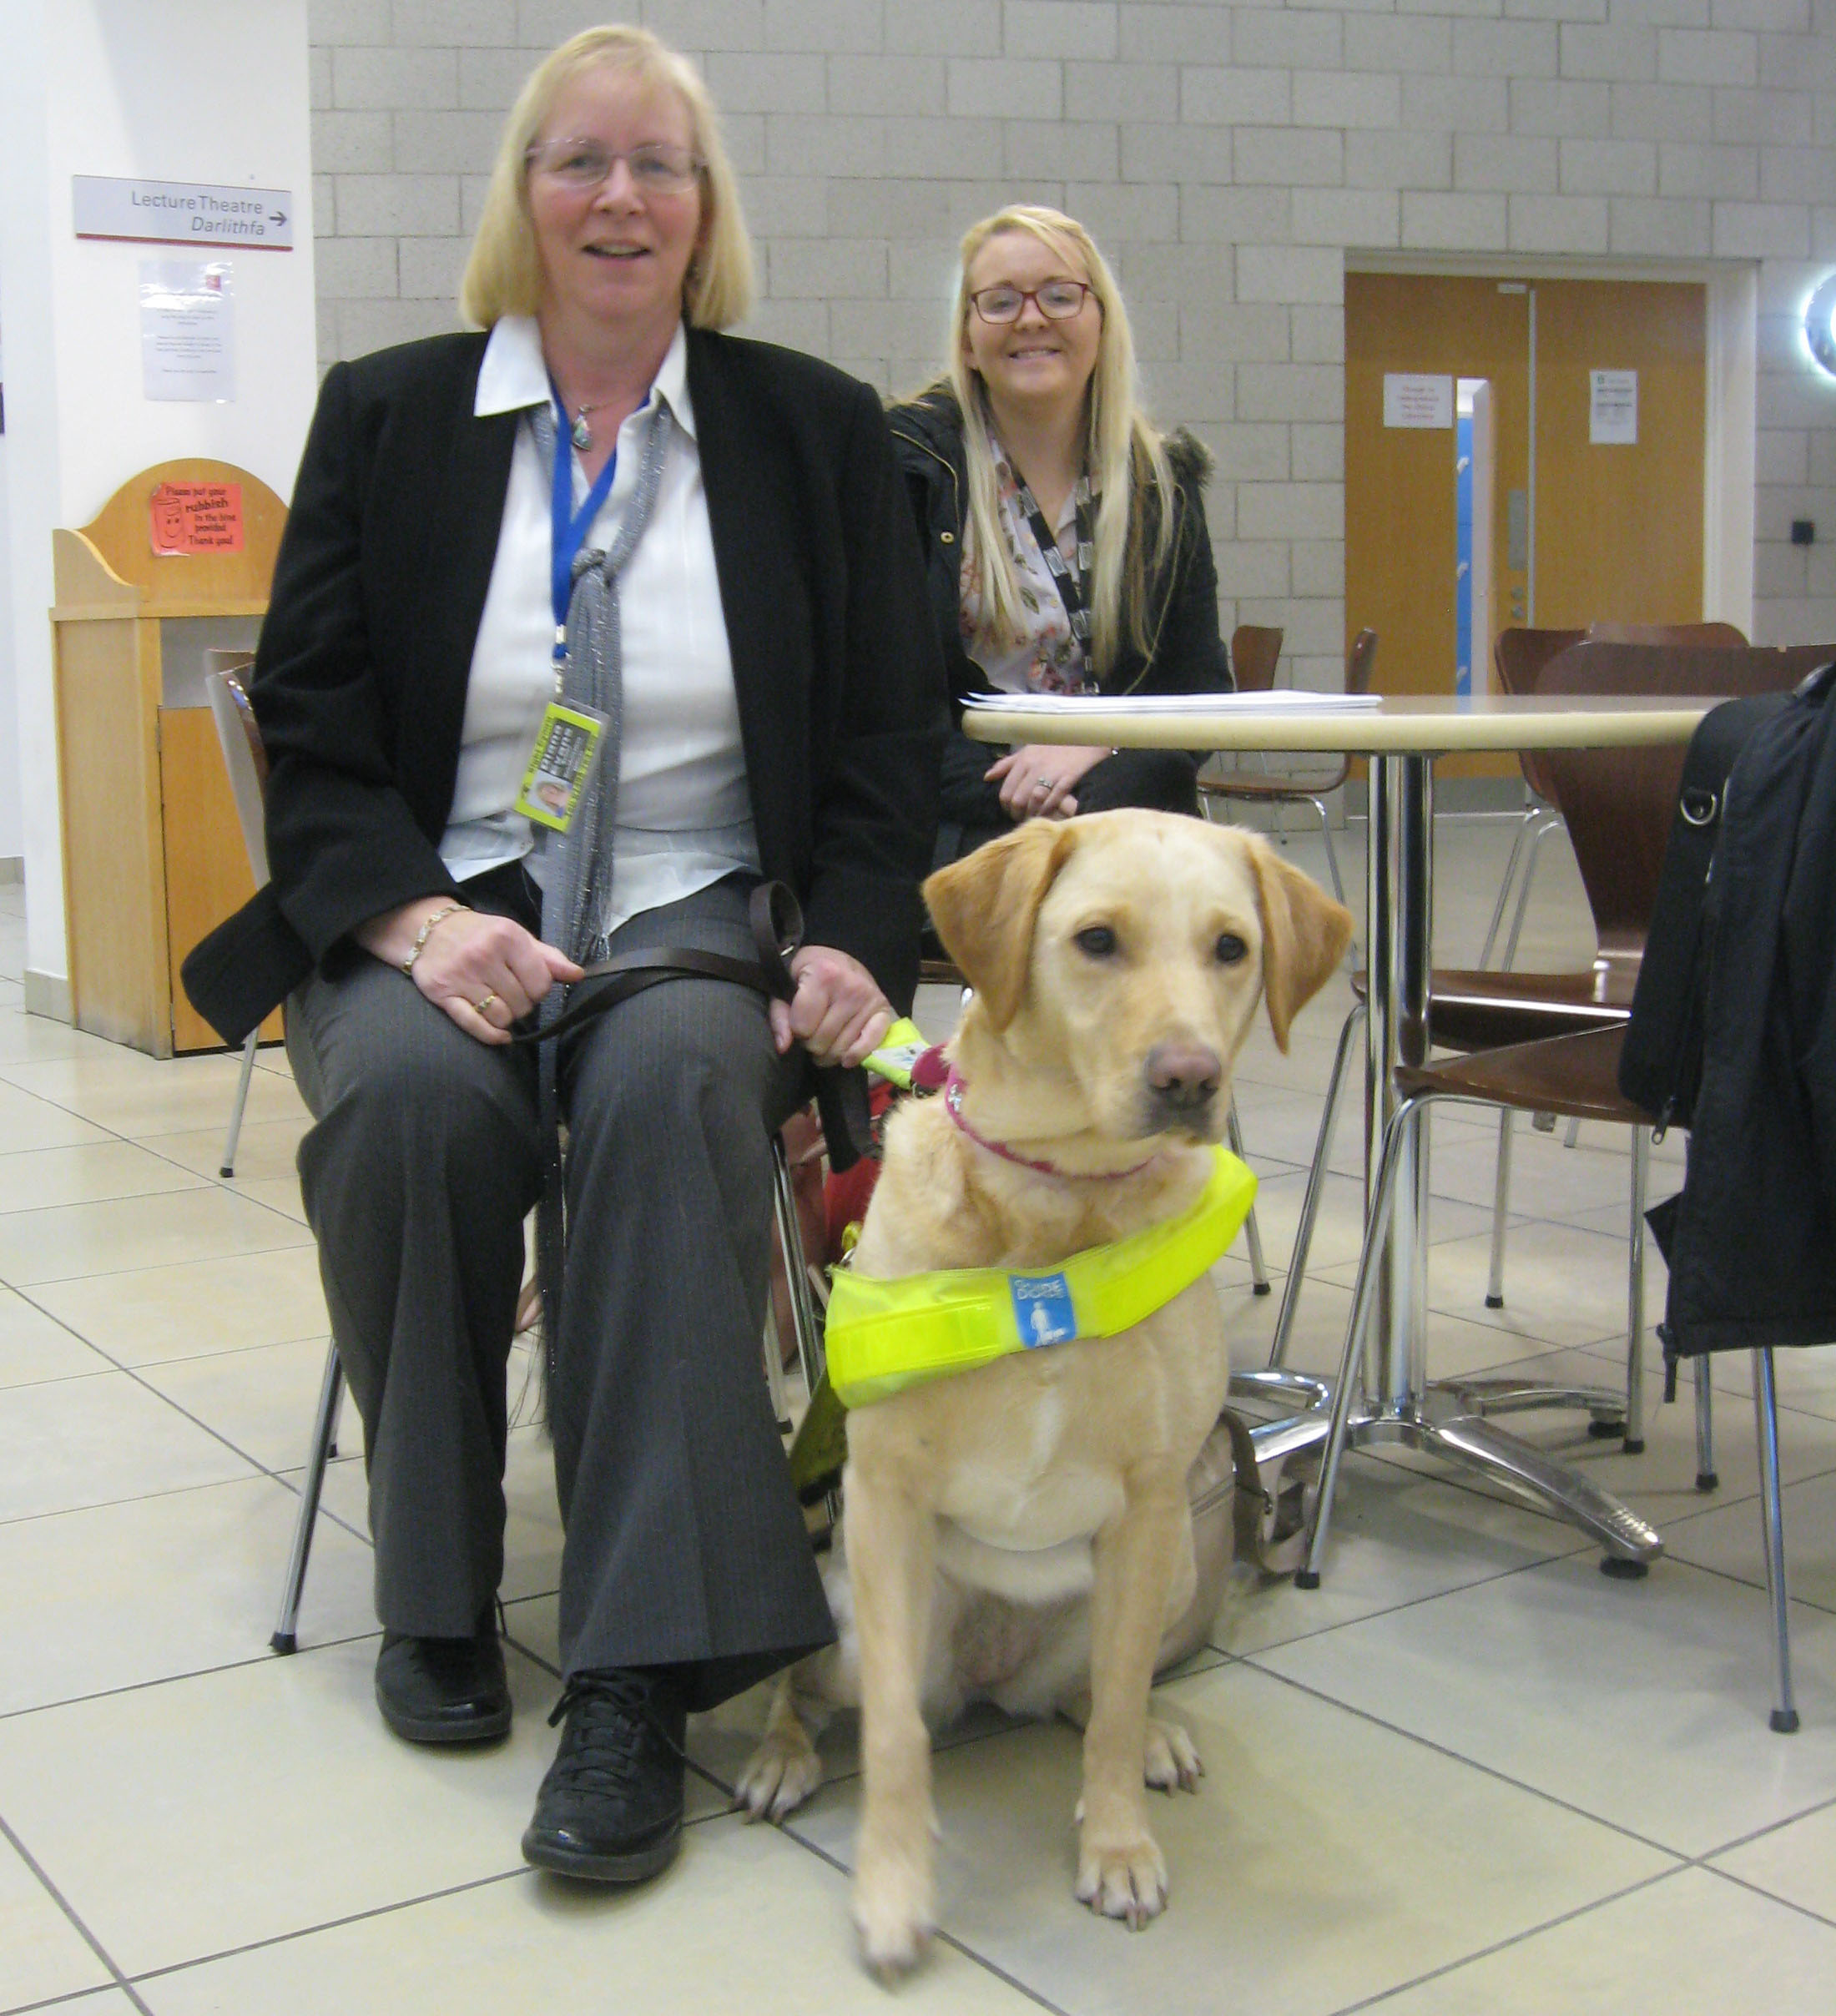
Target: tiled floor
(1469,1773)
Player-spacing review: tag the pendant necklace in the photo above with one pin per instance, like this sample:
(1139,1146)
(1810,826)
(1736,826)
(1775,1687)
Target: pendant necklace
(581,434)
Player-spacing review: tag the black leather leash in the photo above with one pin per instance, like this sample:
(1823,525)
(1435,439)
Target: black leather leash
(777,930)
(777,923)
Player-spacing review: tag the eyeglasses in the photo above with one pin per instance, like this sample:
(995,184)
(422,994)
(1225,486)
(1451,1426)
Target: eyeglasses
(656,168)
(1057,300)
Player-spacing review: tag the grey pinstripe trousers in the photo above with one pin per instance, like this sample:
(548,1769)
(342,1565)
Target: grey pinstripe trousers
(684,1545)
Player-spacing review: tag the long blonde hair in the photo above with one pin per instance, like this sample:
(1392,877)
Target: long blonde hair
(503,273)
(1124,452)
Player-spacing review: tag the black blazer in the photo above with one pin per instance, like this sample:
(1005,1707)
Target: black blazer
(360,680)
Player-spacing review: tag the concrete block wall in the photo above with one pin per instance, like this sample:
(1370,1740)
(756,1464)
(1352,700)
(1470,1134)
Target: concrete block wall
(1227,158)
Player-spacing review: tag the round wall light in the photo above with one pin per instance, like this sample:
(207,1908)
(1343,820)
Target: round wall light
(1820,325)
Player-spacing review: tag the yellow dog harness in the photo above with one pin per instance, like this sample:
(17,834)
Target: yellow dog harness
(884,1335)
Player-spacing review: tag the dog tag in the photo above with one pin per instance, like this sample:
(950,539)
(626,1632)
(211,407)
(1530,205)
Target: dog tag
(1043,1309)
(566,748)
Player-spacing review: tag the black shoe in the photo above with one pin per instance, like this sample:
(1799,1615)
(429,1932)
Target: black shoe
(611,1806)
(445,1690)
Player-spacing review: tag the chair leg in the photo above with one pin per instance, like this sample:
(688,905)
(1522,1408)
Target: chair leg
(1376,1230)
(1316,1182)
(1573,1136)
(1494,1278)
(1706,1479)
(234,1134)
(1531,815)
(803,1302)
(1258,1272)
(1784,1715)
(1634,1296)
(286,1636)
(1542,834)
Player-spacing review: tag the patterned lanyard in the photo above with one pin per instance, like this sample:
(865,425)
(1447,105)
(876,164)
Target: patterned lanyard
(1069,576)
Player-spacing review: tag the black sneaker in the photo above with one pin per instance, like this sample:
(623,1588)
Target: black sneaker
(445,1690)
(610,1808)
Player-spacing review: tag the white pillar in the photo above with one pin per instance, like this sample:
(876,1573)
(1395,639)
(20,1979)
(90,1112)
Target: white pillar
(210,90)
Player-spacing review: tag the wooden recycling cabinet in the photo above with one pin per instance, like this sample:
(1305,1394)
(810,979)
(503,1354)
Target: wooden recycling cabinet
(174,571)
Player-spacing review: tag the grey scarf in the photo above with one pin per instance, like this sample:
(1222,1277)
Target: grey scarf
(574,903)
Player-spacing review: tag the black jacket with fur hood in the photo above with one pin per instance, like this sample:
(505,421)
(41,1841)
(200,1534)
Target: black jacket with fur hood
(1185,652)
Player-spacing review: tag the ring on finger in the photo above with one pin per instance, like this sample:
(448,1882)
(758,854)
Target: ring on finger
(1045,784)
(483,1002)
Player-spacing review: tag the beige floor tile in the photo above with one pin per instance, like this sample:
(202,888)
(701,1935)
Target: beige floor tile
(262,1400)
(95,1604)
(145,1314)
(268,1798)
(133,1095)
(33,1346)
(1676,1947)
(36,1039)
(746,1923)
(1398,1536)
(137,1232)
(42,1953)
(1796,1862)
(27,1123)
(91,1172)
(1727,1540)
(1322,1859)
(70,1443)
(1642,1702)
(1805,1379)
(264,1151)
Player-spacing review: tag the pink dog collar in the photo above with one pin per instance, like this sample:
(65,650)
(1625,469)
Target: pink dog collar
(933,1072)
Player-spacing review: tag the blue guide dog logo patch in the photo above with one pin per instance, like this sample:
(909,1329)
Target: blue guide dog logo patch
(1043,1309)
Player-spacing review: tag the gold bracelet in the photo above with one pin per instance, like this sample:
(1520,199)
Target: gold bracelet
(421,936)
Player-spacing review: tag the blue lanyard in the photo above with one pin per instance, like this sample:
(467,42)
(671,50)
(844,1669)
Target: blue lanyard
(570,527)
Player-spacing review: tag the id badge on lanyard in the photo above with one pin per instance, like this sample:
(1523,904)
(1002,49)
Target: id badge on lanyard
(567,743)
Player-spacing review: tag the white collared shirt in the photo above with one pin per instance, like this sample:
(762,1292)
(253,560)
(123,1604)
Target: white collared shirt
(684,813)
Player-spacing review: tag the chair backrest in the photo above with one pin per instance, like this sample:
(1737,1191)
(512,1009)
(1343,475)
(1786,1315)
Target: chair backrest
(1255,651)
(1517,657)
(244,758)
(1618,803)
(1725,634)
(1359,661)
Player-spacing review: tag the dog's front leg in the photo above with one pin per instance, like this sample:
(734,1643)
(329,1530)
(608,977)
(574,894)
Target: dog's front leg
(1120,1872)
(891,1551)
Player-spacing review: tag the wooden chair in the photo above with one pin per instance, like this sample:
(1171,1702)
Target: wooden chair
(1518,658)
(1618,805)
(1219,787)
(1577,1075)
(1255,651)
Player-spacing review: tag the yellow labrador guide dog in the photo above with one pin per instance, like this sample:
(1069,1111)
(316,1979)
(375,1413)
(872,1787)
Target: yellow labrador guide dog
(1022,1532)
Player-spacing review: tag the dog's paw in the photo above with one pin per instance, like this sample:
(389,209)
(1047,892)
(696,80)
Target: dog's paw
(1123,1878)
(782,1772)
(894,1916)
(1171,1762)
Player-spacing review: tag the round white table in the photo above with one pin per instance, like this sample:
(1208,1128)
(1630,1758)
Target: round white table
(1401,736)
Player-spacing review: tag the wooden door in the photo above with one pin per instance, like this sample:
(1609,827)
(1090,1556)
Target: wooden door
(1604,532)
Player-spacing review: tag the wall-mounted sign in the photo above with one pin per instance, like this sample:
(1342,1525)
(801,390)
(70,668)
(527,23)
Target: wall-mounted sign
(188,347)
(1612,409)
(1820,325)
(183,212)
(196,518)
(1418,399)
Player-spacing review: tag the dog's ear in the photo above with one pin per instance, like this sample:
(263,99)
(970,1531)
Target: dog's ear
(986,905)
(1304,936)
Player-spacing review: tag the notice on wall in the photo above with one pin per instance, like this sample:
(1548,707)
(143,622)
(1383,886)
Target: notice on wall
(187,331)
(195,518)
(1612,409)
(1418,399)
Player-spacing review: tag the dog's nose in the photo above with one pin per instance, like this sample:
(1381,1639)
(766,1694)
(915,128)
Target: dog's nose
(1183,1077)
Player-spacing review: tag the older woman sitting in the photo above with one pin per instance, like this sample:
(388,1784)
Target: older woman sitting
(704,544)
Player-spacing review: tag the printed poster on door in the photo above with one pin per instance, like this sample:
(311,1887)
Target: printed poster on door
(1418,399)
(1612,409)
